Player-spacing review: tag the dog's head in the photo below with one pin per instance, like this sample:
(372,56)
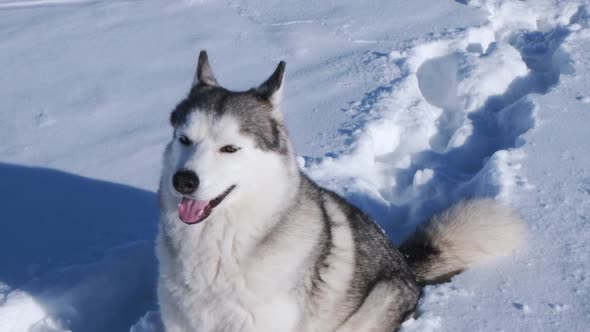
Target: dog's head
(226,146)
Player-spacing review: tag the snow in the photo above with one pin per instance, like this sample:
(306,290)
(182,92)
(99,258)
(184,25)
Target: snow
(403,107)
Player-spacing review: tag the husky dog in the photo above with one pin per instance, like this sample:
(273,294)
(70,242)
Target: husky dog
(247,242)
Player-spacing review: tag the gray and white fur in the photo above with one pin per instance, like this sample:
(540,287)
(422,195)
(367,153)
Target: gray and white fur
(267,249)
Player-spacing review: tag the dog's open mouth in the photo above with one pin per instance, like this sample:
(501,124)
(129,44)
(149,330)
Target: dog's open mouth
(191,211)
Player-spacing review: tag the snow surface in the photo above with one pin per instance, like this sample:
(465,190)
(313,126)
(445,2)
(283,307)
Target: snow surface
(403,107)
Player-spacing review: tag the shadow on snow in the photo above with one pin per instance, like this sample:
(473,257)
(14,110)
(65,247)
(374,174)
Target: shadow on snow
(82,248)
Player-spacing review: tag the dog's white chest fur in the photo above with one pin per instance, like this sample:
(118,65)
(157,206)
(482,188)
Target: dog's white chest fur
(211,286)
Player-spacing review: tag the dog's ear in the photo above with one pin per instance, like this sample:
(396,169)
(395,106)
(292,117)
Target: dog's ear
(204,74)
(272,87)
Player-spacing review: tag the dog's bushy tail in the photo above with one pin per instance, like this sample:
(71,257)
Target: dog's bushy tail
(469,232)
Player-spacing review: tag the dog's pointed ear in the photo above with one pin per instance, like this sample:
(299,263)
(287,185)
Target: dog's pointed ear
(272,88)
(204,74)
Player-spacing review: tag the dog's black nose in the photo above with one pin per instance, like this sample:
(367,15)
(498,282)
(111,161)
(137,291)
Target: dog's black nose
(185,182)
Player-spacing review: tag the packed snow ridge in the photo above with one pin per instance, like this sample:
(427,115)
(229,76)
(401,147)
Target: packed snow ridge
(449,127)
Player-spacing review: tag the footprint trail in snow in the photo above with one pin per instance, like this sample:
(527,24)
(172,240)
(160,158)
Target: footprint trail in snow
(449,126)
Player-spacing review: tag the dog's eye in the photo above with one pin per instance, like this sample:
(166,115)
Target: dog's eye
(184,140)
(229,149)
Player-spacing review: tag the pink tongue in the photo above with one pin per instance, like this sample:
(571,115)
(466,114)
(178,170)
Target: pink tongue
(190,210)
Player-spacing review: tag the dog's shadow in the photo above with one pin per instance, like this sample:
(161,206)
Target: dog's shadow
(77,246)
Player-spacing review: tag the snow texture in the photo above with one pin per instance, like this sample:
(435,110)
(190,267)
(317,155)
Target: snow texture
(403,107)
